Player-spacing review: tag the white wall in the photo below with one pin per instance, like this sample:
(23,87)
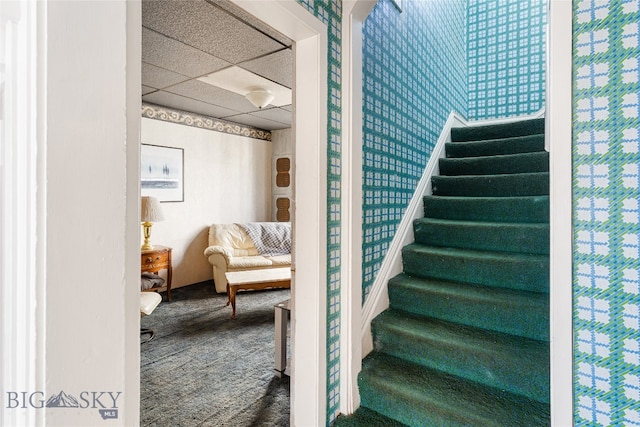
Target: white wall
(227,178)
(91,205)
(92,313)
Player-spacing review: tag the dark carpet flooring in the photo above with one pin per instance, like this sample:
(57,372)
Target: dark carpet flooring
(205,369)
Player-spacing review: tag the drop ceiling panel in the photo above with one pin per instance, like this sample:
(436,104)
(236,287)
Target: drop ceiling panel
(251,20)
(208,28)
(186,104)
(276,114)
(257,122)
(178,57)
(160,78)
(277,67)
(213,95)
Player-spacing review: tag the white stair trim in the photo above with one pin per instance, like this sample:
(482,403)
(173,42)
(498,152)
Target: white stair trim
(378,298)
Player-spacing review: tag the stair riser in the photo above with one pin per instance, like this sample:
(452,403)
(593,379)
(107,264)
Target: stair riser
(519,316)
(507,130)
(527,144)
(501,209)
(422,397)
(534,162)
(513,271)
(380,397)
(523,238)
(514,368)
(364,417)
(370,398)
(535,184)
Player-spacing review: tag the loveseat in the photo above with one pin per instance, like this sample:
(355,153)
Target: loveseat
(250,246)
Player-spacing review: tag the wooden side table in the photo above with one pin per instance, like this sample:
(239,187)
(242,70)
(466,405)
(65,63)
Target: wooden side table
(156,259)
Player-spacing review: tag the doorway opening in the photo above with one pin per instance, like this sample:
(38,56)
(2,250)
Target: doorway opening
(308,323)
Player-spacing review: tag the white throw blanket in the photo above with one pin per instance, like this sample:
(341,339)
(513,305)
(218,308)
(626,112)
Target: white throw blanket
(269,238)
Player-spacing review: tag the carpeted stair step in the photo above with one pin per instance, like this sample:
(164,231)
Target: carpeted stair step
(504,130)
(515,364)
(419,397)
(500,269)
(499,209)
(520,313)
(364,417)
(491,236)
(493,147)
(493,165)
(520,184)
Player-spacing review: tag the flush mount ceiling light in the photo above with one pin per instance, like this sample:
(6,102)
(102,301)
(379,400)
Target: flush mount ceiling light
(241,81)
(259,97)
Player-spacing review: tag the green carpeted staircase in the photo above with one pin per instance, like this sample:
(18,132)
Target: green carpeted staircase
(465,341)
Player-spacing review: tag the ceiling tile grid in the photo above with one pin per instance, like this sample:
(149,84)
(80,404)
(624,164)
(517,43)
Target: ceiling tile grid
(187,104)
(186,40)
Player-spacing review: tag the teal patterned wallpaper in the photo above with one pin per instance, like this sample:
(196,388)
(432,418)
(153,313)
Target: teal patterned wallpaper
(414,74)
(505,57)
(606,159)
(487,62)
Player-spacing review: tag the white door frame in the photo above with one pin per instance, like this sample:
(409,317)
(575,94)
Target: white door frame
(132,225)
(559,123)
(309,290)
(354,13)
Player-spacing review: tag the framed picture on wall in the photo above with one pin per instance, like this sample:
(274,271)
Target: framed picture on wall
(162,173)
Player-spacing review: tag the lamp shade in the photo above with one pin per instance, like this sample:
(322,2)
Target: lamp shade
(150,210)
(260,97)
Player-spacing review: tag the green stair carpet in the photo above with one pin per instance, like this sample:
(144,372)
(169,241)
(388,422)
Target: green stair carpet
(491,165)
(490,236)
(493,147)
(465,341)
(498,309)
(523,209)
(506,185)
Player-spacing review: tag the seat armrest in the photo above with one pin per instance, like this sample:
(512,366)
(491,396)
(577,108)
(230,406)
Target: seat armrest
(148,302)
(226,252)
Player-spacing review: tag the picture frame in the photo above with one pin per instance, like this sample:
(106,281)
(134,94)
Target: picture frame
(162,172)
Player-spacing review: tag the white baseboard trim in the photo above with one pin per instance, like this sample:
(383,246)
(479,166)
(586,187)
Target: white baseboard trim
(378,298)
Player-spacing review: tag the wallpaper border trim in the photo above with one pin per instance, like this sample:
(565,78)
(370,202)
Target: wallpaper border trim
(166,114)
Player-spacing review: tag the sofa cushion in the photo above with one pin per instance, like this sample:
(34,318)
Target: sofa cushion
(284,260)
(231,236)
(244,252)
(239,262)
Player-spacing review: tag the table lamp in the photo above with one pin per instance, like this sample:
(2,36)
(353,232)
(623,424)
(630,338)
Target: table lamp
(150,212)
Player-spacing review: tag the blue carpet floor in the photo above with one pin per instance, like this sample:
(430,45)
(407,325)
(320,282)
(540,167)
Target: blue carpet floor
(205,369)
